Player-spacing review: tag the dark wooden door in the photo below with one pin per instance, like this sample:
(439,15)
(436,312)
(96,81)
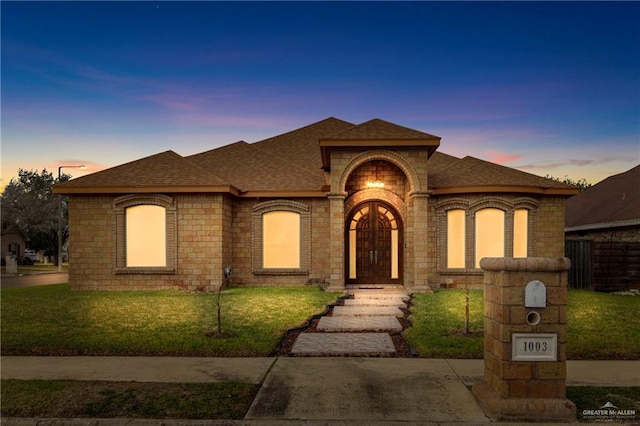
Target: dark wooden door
(373,223)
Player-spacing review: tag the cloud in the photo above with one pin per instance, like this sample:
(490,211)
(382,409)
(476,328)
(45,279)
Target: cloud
(553,165)
(503,157)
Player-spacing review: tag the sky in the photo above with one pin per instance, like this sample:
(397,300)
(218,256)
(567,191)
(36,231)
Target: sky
(544,87)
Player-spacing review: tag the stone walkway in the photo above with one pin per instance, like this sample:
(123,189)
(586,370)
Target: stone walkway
(361,327)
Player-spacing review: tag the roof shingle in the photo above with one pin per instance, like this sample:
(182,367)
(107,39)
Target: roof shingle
(615,199)
(377,129)
(166,169)
(292,163)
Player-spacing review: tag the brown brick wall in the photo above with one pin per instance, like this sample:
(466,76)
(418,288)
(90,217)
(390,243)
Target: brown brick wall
(523,390)
(505,313)
(214,230)
(199,245)
(550,227)
(244,245)
(393,178)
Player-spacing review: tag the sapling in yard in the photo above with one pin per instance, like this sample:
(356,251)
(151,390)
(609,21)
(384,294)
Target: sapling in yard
(466,311)
(226,281)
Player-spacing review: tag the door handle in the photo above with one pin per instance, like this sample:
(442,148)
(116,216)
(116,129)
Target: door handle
(371,257)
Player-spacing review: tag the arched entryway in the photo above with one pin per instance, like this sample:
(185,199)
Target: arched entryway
(374,244)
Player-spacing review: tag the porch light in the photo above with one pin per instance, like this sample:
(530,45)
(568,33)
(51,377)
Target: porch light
(374,184)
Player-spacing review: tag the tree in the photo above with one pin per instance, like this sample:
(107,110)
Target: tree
(29,206)
(581,184)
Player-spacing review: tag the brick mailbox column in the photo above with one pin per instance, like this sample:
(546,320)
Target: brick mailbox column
(525,340)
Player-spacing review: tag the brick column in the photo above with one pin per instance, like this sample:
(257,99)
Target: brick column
(532,387)
(419,211)
(336,242)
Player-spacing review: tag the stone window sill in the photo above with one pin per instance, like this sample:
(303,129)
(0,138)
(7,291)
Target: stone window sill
(139,270)
(281,271)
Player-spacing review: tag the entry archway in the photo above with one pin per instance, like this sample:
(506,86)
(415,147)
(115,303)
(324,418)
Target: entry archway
(374,244)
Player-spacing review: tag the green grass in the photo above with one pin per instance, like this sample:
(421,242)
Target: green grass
(438,323)
(603,326)
(52,320)
(599,325)
(68,399)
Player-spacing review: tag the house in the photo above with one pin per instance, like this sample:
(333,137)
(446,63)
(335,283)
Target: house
(12,241)
(332,203)
(602,228)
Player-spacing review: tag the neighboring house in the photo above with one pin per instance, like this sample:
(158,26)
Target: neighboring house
(12,242)
(602,228)
(331,203)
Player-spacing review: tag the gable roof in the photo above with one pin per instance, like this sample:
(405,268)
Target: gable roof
(291,164)
(377,129)
(612,202)
(376,133)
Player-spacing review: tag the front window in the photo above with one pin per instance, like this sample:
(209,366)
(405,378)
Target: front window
(456,235)
(520,233)
(146,236)
(489,234)
(281,240)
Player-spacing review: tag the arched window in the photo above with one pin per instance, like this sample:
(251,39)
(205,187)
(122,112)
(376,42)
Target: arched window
(146,235)
(489,234)
(281,238)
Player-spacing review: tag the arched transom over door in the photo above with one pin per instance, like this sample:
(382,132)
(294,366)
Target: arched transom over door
(374,242)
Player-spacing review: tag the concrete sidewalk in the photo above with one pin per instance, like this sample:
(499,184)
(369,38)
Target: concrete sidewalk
(254,370)
(313,391)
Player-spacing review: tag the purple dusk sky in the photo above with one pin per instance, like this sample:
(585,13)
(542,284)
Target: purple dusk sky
(544,87)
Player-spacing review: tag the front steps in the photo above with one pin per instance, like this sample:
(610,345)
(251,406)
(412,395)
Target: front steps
(361,327)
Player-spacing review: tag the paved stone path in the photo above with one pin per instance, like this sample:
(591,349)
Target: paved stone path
(361,327)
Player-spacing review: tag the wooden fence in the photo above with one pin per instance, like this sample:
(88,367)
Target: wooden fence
(603,265)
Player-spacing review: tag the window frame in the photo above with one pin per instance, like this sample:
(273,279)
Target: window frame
(471,206)
(258,234)
(120,206)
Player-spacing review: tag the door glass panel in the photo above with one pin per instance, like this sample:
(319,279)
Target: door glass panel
(394,254)
(352,253)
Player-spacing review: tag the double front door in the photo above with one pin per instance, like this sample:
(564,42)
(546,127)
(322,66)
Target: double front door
(374,244)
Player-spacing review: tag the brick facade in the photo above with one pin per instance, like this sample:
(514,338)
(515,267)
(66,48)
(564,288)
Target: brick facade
(207,232)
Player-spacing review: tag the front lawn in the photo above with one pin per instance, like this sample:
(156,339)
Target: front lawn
(437,324)
(599,325)
(52,320)
(99,399)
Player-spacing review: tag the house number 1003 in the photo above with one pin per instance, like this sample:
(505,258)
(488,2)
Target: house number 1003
(534,347)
